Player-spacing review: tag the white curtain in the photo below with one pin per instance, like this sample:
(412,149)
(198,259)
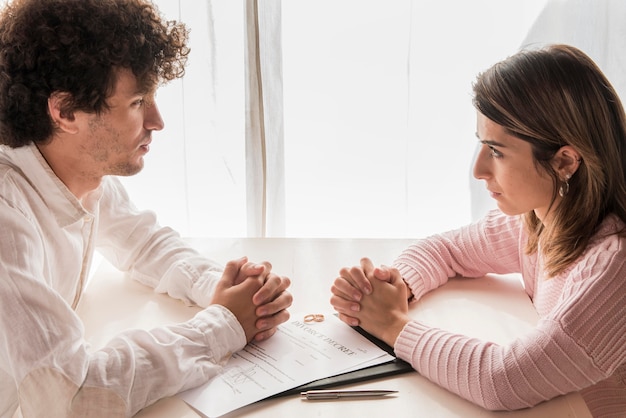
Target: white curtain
(264,119)
(379,123)
(324,118)
(195,172)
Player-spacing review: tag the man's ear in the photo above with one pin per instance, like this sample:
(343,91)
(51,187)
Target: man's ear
(62,118)
(566,161)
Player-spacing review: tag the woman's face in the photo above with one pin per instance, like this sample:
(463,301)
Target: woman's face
(513,179)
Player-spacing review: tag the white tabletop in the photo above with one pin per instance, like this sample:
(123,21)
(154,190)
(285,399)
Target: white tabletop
(493,308)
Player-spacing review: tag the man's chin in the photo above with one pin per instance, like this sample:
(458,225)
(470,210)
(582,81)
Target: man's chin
(128,169)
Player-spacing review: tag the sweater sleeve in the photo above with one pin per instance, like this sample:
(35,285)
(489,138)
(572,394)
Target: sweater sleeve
(491,245)
(578,343)
(540,366)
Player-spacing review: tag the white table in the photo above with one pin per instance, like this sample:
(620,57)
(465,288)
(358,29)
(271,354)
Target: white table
(493,308)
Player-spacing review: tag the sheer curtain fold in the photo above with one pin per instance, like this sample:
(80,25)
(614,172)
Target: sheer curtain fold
(347,118)
(265,173)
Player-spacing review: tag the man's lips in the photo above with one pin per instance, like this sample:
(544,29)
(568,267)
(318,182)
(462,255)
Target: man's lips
(146,146)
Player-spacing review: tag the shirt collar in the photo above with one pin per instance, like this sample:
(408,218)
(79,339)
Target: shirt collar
(62,203)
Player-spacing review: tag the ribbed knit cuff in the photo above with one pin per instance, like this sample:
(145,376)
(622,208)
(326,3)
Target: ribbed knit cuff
(407,341)
(412,279)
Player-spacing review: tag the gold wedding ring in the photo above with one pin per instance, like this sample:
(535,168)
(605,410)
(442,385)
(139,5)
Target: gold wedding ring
(313,318)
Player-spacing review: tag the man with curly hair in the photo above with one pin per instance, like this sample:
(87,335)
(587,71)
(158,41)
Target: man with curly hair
(77,85)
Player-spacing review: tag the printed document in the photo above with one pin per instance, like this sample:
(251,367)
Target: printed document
(298,353)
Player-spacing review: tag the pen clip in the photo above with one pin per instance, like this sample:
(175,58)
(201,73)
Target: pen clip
(320,396)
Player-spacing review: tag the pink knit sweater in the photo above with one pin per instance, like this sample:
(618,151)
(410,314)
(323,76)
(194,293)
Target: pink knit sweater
(579,343)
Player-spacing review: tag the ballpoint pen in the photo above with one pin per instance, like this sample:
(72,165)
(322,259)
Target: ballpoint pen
(336,394)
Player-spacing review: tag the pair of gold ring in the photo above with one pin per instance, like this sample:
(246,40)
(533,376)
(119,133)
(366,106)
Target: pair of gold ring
(313,318)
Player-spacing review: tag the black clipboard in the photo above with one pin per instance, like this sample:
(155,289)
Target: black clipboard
(390,368)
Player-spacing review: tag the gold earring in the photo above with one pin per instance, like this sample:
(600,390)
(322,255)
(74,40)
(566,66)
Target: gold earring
(564,189)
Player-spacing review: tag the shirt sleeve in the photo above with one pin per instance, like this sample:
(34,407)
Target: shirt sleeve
(134,242)
(43,350)
(491,245)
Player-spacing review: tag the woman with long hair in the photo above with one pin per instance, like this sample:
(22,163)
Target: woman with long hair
(553,150)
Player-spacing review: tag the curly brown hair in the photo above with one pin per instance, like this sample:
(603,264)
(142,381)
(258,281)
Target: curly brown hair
(75,47)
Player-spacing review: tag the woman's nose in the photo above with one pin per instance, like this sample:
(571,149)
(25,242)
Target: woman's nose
(481,166)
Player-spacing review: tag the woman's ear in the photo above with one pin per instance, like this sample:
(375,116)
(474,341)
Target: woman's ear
(566,161)
(61,117)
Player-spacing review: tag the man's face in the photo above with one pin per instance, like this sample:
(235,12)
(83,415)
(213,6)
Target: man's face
(119,137)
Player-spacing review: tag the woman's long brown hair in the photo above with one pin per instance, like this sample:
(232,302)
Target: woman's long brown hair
(553,97)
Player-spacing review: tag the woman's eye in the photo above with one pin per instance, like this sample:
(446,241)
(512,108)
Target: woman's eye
(494,152)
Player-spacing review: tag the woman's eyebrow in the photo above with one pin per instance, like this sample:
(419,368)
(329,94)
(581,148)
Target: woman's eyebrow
(489,142)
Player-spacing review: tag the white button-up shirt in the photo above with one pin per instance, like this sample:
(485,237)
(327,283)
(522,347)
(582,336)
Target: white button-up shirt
(47,241)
